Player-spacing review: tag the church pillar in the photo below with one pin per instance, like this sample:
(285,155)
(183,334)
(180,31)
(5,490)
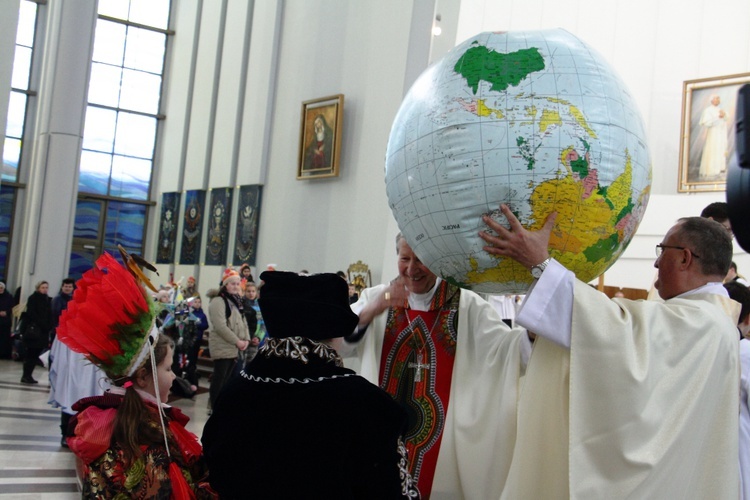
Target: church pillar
(46,230)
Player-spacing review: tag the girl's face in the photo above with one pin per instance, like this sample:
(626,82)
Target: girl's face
(164,375)
(251,292)
(196,304)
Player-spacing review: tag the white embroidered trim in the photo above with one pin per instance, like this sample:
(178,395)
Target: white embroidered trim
(295,348)
(279,380)
(408,485)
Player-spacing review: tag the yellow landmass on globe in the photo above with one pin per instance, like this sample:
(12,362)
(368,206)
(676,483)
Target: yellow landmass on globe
(484,110)
(585,218)
(549,117)
(619,191)
(577,114)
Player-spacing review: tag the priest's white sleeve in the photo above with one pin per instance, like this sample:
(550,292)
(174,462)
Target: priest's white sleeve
(548,307)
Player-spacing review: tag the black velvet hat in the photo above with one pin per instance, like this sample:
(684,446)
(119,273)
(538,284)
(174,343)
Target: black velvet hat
(316,307)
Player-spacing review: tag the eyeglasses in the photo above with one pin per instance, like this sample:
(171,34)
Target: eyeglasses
(660,248)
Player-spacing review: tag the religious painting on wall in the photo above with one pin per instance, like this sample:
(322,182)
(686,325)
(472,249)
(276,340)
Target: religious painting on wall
(248,217)
(320,137)
(170,208)
(708,133)
(192,229)
(218,226)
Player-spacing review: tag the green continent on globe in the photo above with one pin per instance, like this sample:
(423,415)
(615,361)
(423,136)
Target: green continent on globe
(479,63)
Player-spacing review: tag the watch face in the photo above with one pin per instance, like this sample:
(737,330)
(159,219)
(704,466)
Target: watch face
(536,272)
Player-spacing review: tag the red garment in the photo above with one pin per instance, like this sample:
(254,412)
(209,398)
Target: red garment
(416,369)
(156,474)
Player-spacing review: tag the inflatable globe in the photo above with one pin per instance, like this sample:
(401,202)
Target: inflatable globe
(536,120)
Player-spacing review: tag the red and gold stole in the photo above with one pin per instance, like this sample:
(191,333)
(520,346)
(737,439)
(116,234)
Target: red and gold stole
(416,368)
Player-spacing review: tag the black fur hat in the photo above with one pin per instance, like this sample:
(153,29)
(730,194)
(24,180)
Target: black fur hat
(316,306)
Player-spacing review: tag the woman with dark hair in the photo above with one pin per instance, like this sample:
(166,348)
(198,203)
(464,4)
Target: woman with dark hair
(37,323)
(132,445)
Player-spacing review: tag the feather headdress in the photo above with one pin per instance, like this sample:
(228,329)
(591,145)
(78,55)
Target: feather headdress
(111,318)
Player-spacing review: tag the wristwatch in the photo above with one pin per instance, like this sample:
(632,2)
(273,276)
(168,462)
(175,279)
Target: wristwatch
(537,270)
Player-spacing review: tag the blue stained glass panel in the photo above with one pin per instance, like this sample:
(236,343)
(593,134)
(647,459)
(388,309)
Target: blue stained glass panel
(131,178)
(81,260)
(86,223)
(94,172)
(125,225)
(7,196)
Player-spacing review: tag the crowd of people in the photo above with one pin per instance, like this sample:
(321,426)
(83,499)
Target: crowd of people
(451,398)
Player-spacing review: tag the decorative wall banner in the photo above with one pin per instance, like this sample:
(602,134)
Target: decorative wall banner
(195,202)
(248,217)
(170,208)
(218,226)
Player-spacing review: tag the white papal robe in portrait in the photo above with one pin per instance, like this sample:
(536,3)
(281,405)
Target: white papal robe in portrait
(644,403)
(714,156)
(480,426)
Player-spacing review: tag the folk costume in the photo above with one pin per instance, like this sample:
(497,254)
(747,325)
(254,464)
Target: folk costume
(642,404)
(452,363)
(318,429)
(111,321)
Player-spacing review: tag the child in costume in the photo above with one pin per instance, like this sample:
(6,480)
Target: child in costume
(131,445)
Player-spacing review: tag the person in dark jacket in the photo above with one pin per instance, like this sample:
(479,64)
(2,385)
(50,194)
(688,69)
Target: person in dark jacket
(60,302)
(326,432)
(37,323)
(6,320)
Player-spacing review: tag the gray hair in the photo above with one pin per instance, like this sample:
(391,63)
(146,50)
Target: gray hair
(710,241)
(399,237)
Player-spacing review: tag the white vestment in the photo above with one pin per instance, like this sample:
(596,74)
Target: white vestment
(714,157)
(72,377)
(745,418)
(643,404)
(480,427)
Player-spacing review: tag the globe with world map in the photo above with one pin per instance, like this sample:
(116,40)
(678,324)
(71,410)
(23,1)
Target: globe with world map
(537,120)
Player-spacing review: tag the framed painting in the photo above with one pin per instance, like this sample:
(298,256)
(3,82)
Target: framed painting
(192,227)
(248,217)
(707,140)
(170,208)
(320,137)
(220,212)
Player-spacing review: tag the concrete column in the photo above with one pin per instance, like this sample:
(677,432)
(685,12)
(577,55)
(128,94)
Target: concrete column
(46,231)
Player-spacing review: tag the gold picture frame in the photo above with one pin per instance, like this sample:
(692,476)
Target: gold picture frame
(320,137)
(707,139)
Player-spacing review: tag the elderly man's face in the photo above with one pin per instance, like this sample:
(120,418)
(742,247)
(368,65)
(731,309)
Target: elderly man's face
(669,263)
(417,278)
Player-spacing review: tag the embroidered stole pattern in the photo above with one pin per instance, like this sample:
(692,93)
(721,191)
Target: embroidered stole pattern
(416,368)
